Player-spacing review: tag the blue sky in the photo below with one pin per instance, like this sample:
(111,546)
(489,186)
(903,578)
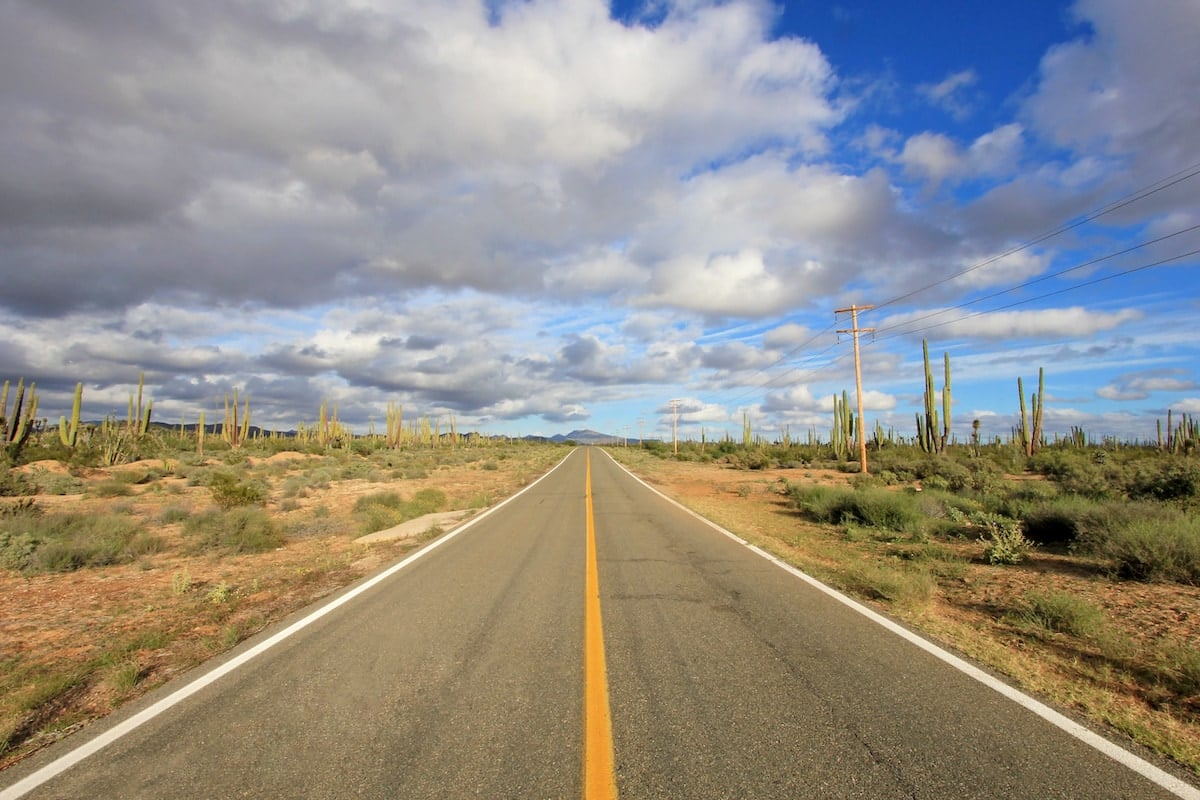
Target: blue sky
(540,216)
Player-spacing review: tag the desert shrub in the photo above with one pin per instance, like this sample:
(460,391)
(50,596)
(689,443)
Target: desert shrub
(15,484)
(875,507)
(1056,521)
(1160,544)
(1062,612)
(1075,471)
(382,510)
(1005,542)
(1174,480)
(902,585)
(113,488)
(236,530)
(230,492)
(173,514)
(34,543)
(61,484)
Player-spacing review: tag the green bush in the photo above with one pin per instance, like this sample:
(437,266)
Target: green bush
(1062,612)
(875,507)
(15,484)
(1005,542)
(34,543)
(229,492)
(1175,480)
(1160,544)
(386,509)
(113,488)
(235,530)
(1059,520)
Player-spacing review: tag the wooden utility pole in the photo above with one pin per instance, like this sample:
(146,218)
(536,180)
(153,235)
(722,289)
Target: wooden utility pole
(675,425)
(855,330)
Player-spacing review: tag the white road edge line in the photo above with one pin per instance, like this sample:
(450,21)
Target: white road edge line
(1114,751)
(73,757)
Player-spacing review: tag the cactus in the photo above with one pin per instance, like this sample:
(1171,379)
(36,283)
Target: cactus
(1031,436)
(842,436)
(19,423)
(747,432)
(69,433)
(930,436)
(231,430)
(395,425)
(200,437)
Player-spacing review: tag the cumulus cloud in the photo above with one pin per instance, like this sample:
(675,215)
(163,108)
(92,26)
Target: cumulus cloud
(1140,385)
(1071,322)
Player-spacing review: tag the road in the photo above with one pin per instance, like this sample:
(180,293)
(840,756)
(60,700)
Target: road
(463,675)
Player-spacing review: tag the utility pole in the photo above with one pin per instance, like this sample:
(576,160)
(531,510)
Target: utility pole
(639,431)
(675,425)
(855,330)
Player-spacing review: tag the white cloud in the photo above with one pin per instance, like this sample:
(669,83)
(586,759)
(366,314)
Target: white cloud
(1073,322)
(952,93)
(937,158)
(1128,89)
(788,334)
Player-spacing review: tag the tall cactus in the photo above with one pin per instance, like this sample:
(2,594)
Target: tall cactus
(69,433)
(233,431)
(932,437)
(1031,435)
(842,435)
(395,425)
(19,422)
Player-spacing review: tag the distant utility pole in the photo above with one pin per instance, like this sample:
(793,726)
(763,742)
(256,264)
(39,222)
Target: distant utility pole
(855,330)
(675,425)
(639,431)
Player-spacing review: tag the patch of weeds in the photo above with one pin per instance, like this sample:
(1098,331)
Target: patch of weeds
(1161,543)
(219,594)
(113,488)
(66,542)
(1180,661)
(1004,540)
(181,582)
(173,514)
(1062,612)
(905,586)
(125,676)
(289,504)
(16,508)
(15,484)
(314,526)
(230,492)
(59,485)
(238,530)
(873,507)
(489,465)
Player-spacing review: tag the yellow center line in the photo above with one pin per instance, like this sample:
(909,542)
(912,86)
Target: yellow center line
(599,774)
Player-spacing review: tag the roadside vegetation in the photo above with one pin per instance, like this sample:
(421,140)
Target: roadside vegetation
(1074,568)
(131,551)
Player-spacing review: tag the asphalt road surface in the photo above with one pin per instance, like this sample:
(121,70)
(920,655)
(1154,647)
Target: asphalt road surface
(463,675)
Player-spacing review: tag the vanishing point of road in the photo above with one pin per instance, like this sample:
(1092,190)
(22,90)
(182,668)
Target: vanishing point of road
(587,638)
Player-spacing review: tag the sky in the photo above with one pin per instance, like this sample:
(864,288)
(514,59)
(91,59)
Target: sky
(545,215)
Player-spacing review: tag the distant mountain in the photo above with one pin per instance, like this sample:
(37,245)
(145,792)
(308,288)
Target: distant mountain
(586,437)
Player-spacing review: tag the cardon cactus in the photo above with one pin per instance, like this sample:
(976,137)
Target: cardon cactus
(68,433)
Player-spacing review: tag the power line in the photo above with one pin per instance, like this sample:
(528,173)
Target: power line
(1016,303)
(1040,279)
(1138,194)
